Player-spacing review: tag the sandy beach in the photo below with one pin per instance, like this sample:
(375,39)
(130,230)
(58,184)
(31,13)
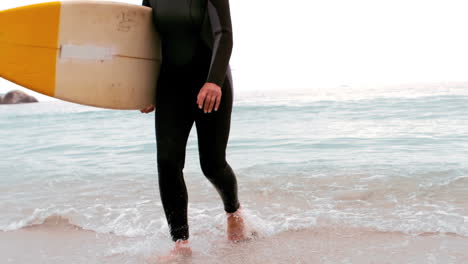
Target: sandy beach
(57,241)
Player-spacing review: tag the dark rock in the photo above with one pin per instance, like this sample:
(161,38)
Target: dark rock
(17,97)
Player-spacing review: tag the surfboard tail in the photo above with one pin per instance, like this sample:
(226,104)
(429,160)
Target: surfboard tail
(29,45)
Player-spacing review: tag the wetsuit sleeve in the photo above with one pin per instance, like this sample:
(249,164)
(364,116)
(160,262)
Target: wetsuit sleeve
(146,3)
(222,46)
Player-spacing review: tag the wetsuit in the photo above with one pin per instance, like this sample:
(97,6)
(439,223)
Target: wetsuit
(196,38)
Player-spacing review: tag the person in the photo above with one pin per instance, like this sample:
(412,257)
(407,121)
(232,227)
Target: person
(194,86)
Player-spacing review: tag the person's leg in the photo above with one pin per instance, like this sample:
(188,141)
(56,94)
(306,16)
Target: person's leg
(173,123)
(213,133)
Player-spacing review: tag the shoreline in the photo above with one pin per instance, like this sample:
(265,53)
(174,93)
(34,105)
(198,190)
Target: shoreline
(57,241)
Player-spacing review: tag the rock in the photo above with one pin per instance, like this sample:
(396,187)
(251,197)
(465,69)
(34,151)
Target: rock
(17,97)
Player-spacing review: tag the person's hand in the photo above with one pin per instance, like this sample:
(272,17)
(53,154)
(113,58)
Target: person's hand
(148,109)
(209,97)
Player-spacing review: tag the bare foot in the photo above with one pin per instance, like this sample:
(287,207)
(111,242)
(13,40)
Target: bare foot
(181,250)
(236,227)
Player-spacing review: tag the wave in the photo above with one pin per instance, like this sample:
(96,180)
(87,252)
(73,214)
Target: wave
(54,222)
(257,226)
(44,218)
(427,106)
(448,225)
(348,93)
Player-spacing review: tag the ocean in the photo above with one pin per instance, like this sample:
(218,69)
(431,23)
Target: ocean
(345,175)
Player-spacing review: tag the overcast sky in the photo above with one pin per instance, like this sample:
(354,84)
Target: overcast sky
(316,43)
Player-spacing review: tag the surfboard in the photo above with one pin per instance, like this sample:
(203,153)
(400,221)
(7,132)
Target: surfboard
(96,53)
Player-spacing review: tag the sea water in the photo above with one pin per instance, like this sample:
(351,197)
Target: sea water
(386,159)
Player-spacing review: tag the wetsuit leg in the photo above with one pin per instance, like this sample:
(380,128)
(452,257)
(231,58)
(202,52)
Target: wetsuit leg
(174,120)
(213,133)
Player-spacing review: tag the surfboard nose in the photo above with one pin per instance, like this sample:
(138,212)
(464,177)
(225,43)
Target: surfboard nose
(29,45)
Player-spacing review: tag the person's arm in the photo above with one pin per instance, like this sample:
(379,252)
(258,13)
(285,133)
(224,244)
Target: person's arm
(146,3)
(223,41)
(209,97)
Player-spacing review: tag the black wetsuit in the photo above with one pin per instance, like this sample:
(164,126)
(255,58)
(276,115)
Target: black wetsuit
(196,47)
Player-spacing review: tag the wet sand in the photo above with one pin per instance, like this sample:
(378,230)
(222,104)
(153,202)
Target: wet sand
(58,241)
(353,245)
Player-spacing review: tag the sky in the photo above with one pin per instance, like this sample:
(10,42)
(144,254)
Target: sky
(305,44)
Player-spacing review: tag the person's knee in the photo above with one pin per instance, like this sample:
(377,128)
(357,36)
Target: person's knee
(168,164)
(213,168)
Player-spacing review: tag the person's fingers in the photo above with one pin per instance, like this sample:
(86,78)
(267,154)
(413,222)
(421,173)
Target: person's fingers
(147,109)
(209,99)
(212,103)
(218,102)
(207,103)
(201,99)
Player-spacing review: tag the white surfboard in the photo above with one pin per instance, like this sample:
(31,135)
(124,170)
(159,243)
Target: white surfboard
(95,53)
